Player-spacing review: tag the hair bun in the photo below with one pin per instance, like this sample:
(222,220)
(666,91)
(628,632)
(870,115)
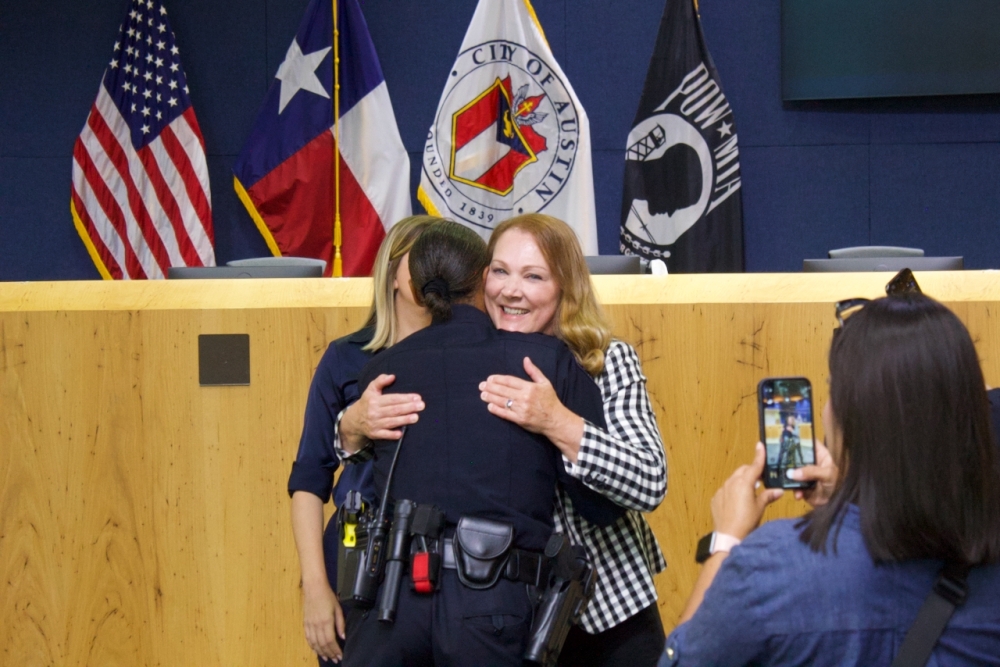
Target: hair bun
(437,285)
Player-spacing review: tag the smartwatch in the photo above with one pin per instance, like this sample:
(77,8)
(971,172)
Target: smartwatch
(714,543)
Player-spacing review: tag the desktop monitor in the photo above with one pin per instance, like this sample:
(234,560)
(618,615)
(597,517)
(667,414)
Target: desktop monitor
(615,264)
(282,271)
(883,264)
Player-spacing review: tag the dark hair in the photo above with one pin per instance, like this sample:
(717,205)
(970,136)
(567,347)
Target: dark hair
(918,455)
(446,266)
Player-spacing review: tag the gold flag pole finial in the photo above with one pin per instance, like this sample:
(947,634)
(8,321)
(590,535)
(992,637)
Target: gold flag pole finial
(338,262)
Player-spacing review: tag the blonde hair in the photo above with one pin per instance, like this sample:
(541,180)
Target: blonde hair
(580,321)
(396,244)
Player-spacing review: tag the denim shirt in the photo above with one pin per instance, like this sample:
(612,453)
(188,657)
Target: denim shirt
(776,602)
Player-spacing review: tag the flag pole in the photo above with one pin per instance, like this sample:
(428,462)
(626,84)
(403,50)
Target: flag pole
(338,262)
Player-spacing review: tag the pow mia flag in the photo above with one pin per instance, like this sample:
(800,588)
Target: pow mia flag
(681,201)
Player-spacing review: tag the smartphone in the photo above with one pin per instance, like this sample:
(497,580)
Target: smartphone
(785,408)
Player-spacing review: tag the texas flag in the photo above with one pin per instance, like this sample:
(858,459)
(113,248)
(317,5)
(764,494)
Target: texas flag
(285,174)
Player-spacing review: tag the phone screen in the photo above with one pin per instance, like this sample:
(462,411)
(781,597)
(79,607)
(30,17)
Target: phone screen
(786,429)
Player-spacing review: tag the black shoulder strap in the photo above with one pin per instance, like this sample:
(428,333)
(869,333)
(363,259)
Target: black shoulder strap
(947,595)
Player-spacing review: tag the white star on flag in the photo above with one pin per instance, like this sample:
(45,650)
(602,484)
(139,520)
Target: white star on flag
(298,72)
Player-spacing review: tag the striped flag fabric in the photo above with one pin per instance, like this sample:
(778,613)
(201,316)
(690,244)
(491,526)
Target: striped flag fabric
(285,173)
(140,195)
(510,135)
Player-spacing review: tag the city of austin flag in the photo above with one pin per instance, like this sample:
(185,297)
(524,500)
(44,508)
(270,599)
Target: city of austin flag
(509,136)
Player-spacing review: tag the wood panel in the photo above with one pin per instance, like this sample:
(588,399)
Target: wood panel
(144,519)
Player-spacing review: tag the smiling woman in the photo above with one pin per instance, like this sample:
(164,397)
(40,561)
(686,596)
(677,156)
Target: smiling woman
(521,292)
(533,251)
(538,281)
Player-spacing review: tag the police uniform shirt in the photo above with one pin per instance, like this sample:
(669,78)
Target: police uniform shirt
(465,460)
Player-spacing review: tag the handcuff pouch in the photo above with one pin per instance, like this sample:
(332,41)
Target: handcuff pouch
(481,547)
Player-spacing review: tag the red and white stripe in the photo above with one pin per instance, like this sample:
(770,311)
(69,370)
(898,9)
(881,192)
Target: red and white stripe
(373,150)
(147,210)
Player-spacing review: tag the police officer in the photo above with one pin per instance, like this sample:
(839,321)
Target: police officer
(470,464)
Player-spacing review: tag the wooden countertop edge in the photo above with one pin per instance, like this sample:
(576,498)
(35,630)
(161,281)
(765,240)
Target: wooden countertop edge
(948,286)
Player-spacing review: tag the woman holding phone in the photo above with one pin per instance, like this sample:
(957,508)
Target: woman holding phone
(908,489)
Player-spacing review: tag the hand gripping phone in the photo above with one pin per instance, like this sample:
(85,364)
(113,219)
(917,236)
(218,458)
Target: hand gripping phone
(784,406)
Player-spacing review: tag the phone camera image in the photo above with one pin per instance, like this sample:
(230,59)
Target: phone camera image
(786,429)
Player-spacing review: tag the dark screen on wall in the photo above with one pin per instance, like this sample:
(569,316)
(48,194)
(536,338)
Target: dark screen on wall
(835,49)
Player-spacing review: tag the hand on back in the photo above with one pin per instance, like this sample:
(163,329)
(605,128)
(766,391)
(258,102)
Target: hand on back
(378,416)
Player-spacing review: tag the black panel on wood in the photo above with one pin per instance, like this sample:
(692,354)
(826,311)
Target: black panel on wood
(223,359)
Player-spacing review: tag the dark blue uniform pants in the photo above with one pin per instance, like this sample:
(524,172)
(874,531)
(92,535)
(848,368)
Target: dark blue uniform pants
(454,627)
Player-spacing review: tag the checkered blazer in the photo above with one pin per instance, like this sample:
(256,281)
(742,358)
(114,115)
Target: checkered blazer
(627,464)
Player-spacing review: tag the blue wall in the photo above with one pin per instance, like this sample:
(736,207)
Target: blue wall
(924,173)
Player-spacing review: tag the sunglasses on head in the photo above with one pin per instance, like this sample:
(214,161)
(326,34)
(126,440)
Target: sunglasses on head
(902,283)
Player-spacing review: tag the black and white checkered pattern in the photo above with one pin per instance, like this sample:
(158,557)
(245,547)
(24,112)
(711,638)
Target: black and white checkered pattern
(627,464)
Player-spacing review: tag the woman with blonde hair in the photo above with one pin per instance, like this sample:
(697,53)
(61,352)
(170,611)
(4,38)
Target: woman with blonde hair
(538,281)
(393,316)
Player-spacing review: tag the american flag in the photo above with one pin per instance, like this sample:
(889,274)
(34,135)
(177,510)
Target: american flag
(141,200)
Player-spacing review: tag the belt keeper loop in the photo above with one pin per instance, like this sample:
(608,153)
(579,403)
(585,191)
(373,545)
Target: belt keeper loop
(513,565)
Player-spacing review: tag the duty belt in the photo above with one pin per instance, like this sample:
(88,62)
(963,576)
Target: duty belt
(529,567)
